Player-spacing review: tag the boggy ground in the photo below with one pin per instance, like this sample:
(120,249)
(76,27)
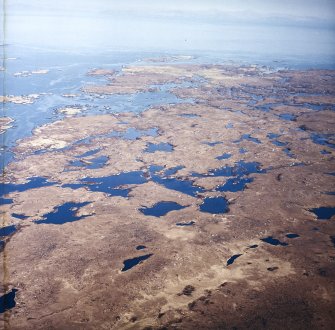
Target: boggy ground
(79,191)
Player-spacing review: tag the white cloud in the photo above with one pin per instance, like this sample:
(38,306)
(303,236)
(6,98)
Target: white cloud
(323,9)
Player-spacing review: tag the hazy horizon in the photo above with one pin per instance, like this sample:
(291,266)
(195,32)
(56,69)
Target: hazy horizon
(287,28)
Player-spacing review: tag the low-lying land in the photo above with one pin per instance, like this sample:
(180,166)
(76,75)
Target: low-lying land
(212,214)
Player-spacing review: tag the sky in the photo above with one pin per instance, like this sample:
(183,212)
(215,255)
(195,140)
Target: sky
(291,26)
(319,9)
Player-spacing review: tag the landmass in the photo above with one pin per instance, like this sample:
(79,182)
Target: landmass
(22,99)
(29,73)
(5,124)
(213,213)
(70,110)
